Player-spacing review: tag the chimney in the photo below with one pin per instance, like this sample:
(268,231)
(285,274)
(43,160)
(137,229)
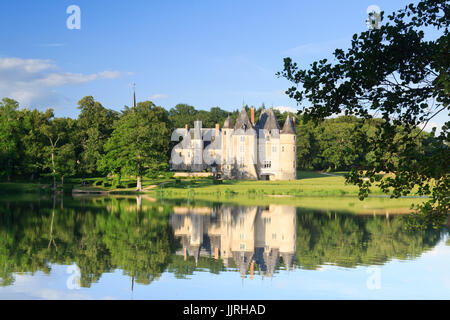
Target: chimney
(216,253)
(252,110)
(217,129)
(186,130)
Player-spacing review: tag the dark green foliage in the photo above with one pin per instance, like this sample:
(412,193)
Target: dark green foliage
(394,73)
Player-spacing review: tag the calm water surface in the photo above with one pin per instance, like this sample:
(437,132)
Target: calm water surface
(140,248)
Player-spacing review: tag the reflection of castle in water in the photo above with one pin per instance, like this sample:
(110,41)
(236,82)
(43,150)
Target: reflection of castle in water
(245,235)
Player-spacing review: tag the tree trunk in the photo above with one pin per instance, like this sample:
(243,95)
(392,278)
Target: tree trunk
(139,183)
(53,167)
(62,181)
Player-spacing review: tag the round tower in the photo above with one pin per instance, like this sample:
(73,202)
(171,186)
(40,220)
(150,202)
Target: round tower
(288,165)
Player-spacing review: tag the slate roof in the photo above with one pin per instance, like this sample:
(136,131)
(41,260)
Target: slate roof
(243,122)
(267,120)
(228,124)
(267,260)
(289,127)
(242,260)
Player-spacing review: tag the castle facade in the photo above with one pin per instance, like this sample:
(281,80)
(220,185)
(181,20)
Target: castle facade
(241,150)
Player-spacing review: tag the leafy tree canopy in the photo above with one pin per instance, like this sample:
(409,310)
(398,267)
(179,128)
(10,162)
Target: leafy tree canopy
(394,73)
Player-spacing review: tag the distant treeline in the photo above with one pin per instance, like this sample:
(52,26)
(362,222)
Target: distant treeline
(36,145)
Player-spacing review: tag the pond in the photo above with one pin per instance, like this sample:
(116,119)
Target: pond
(137,247)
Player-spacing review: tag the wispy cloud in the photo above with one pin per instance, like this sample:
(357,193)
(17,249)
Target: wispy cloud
(158,96)
(52,45)
(33,81)
(318,48)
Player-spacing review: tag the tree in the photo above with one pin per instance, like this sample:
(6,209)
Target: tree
(394,72)
(61,155)
(183,114)
(96,125)
(307,144)
(140,141)
(9,125)
(33,142)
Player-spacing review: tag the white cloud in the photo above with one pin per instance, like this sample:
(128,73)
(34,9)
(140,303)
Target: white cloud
(31,287)
(158,96)
(430,125)
(284,109)
(33,81)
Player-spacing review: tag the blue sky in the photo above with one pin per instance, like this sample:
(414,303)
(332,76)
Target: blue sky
(204,53)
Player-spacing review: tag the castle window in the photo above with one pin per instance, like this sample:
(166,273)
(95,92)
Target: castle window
(294,148)
(274,149)
(274,236)
(242,138)
(242,246)
(282,149)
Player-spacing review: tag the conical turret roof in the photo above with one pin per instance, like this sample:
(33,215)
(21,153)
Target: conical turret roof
(228,124)
(289,127)
(243,122)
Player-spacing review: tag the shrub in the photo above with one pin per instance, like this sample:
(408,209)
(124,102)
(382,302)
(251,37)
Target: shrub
(98,182)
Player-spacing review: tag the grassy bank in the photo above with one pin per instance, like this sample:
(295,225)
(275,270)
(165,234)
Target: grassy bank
(308,183)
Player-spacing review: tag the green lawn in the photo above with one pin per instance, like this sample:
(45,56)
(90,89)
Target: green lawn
(308,184)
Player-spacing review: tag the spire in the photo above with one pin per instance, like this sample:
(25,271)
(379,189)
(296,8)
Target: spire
(243,122)
(134,95)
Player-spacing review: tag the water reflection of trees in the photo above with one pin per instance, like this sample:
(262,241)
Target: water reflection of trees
(99,235)
(349,240)
(144,239)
